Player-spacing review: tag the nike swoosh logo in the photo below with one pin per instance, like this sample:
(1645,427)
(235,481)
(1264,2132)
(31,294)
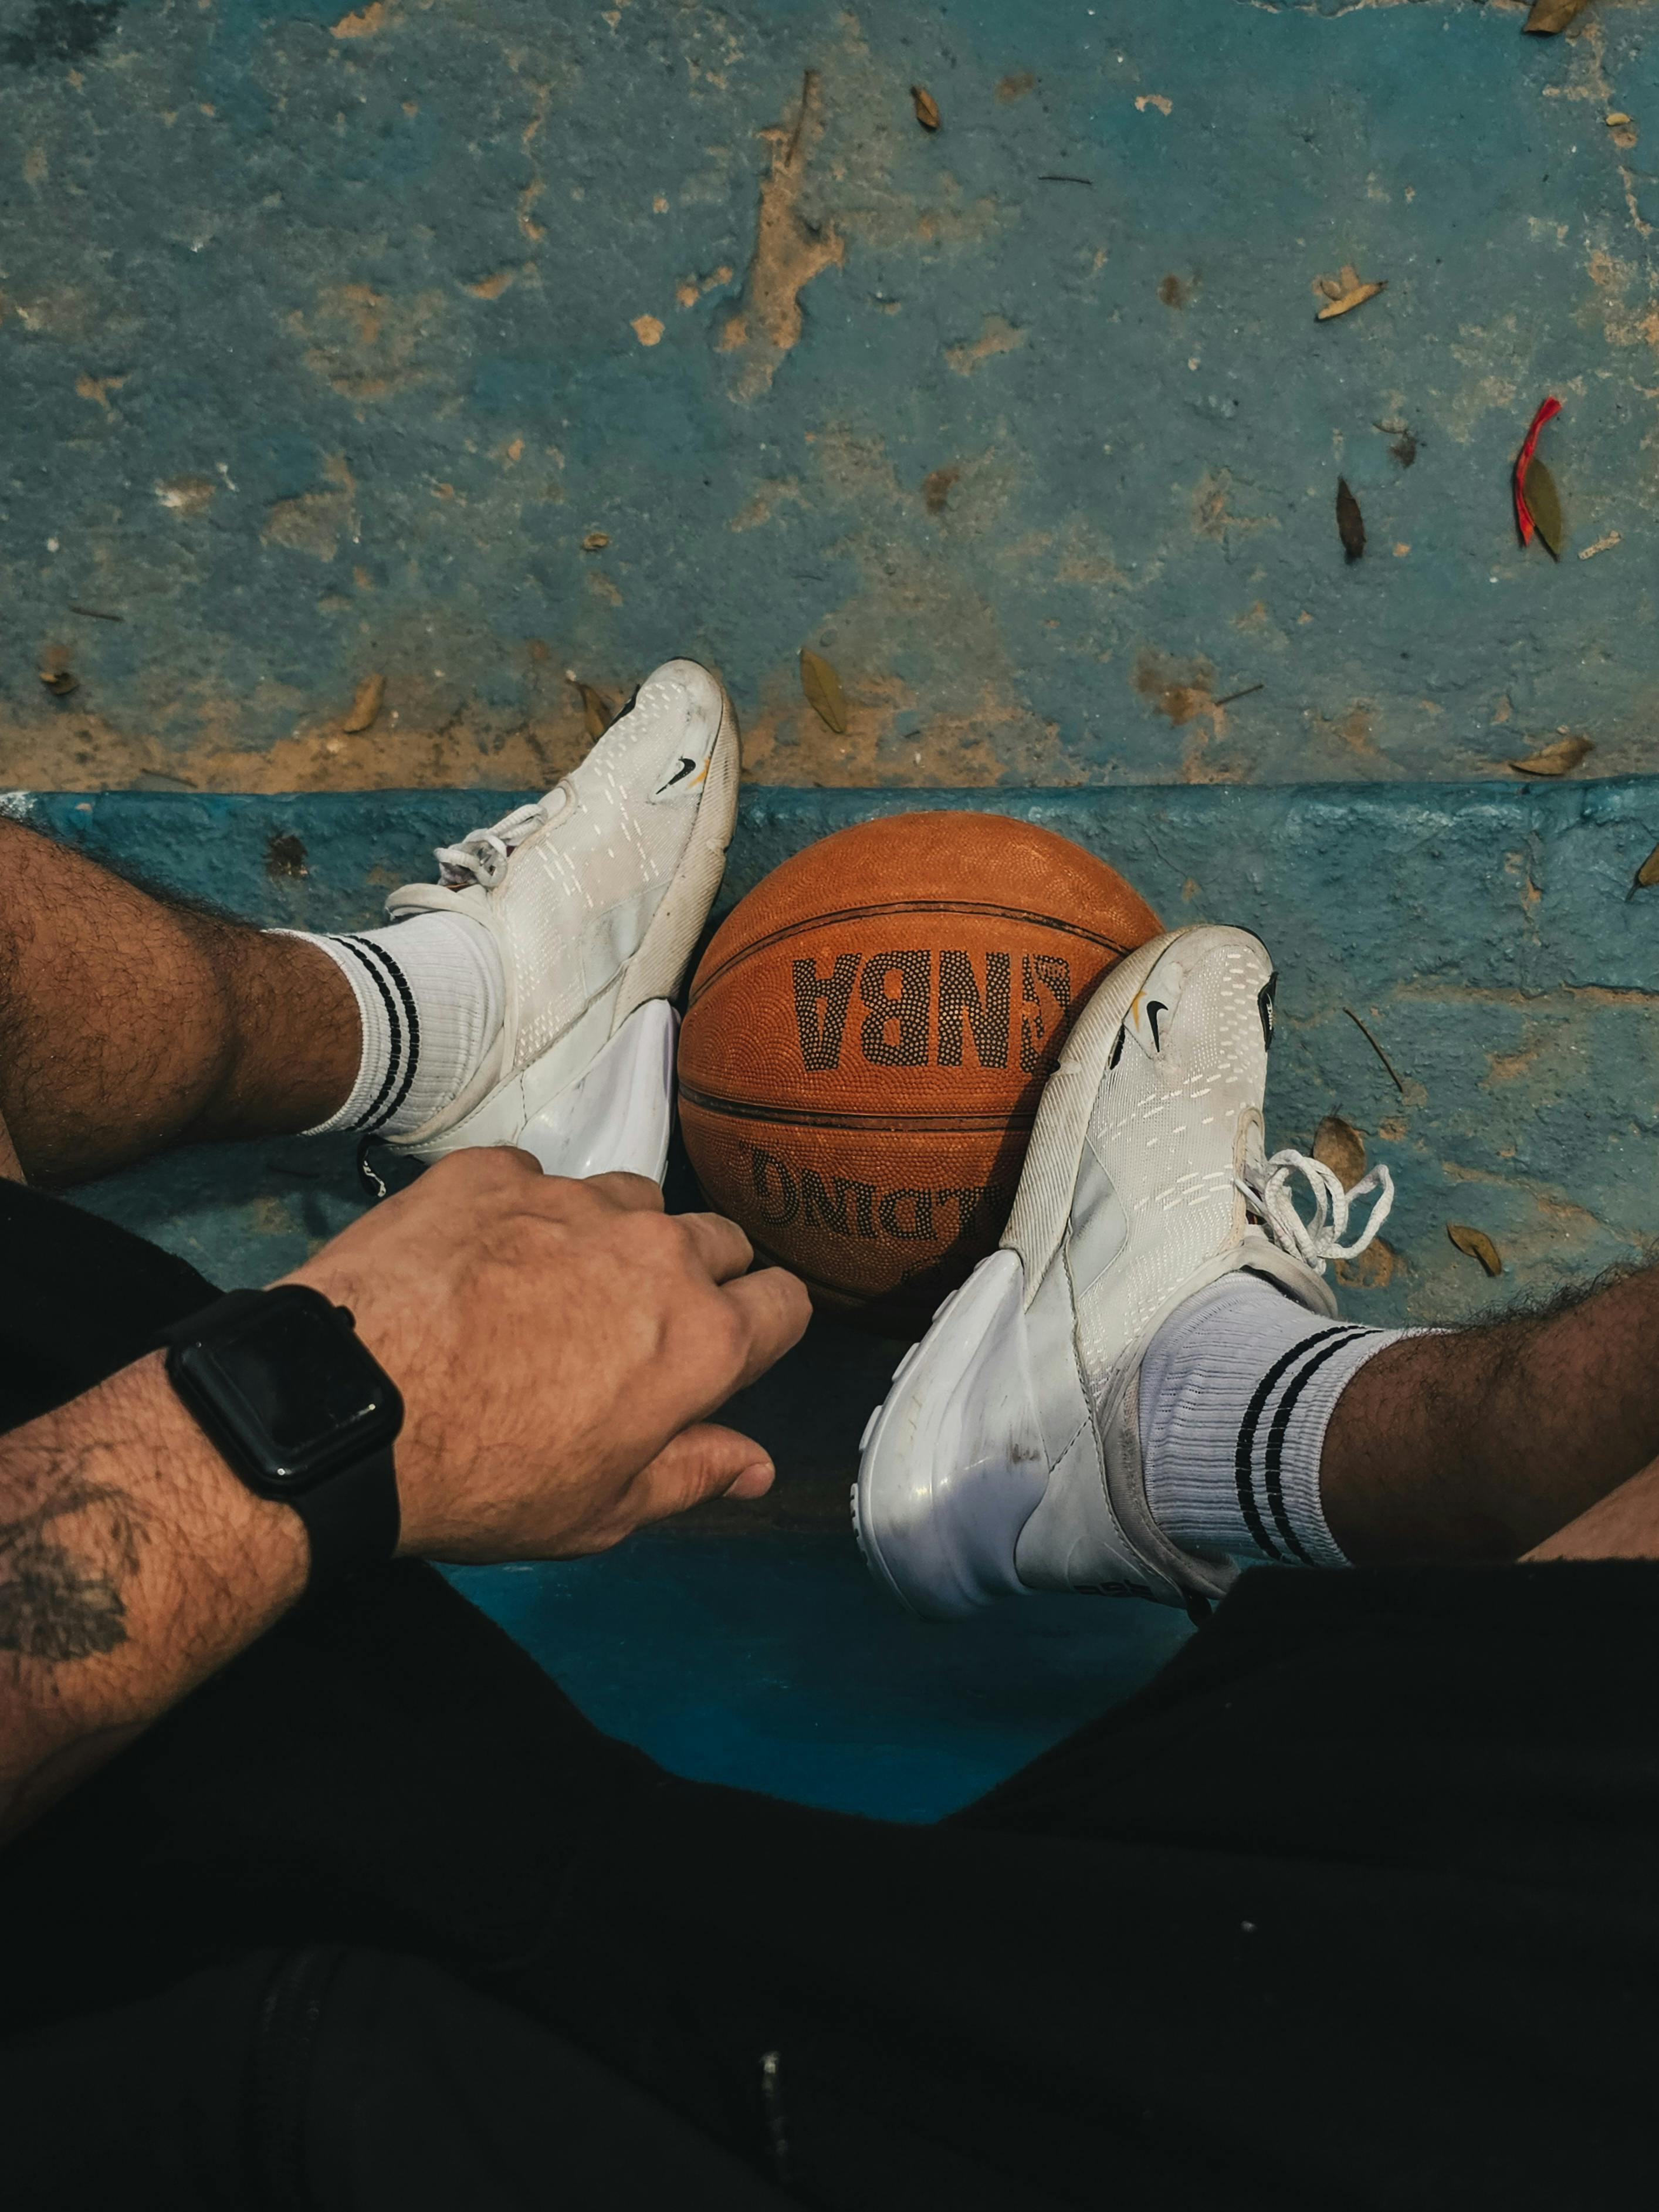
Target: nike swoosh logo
(679,775)
(1154,1008)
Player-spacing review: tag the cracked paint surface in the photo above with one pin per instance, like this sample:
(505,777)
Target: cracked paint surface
(333,343)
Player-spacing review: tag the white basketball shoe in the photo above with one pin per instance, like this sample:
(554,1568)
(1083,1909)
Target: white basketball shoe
(595,896)
(1006,1457)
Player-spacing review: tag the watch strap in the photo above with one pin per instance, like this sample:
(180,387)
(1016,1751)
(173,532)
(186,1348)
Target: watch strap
(353,1519)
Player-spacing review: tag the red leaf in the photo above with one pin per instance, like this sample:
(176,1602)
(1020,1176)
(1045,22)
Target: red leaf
(1523,520)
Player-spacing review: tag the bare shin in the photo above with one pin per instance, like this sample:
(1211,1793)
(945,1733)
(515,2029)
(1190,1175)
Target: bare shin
(127,1024)
(1482,1443)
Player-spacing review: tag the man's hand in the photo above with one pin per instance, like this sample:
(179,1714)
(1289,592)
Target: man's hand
(558,1345)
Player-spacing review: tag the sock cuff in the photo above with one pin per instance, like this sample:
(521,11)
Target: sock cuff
(1289,1441)
(386,1008)
(1237,1389)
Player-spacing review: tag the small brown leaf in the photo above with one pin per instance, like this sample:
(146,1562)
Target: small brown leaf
(365,706)
(598,713)
(1355,296)
(1545,502)
(1350,523)
(1549,16)
(1340,1146)
(60,682)
(1648,874)
(819,680)
(926,105)
(1330,286)
(1478,1245)
(1559,759)
(596,541)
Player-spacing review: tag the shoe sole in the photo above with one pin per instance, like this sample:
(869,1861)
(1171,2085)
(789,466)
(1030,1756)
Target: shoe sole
(889,1474)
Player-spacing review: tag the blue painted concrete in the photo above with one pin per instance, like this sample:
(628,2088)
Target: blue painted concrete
(1485,935)
(776,1664)
(335,341)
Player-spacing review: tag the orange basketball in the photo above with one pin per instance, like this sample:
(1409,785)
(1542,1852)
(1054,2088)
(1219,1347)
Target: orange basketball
(867,1036)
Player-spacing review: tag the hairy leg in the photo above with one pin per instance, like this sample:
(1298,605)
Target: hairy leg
(127,1024)
(1479,1444)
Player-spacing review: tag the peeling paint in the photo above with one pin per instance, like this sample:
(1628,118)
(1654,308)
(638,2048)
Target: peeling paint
(430,274)
(997,335)
(789,253)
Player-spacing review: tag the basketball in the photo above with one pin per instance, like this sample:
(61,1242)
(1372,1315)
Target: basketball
(866,1038)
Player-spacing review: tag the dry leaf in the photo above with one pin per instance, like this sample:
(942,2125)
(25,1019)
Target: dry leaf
(1356,298)
(1549,16)
(1477,1244)
(823,687)
(598,713)
(1559,759)
(1340,1146)
(926,105)
(365,706)
(1544,503)
(1345,291)
(595,542)
(1350,523)
(1648,874)
(59,681)
(1548,410)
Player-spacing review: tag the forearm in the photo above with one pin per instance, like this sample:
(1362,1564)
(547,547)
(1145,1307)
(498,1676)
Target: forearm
(133,1564)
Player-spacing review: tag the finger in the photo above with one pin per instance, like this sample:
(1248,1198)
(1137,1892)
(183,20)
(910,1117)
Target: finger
(475,1161)
(775,1309)
(705,1461)
(721,1245)
(634,1194)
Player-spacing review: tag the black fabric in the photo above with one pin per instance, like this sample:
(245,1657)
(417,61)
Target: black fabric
(79,1297)
(1355,1905)
(340,2080)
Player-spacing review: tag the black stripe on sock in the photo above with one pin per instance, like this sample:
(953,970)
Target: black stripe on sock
(395,1058)
(412,1023)
(1273,1471)
(1244,1457)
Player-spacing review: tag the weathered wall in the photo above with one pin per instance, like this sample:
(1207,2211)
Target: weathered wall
(474,344)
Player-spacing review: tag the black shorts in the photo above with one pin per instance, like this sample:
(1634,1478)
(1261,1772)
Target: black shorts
(1353,1905)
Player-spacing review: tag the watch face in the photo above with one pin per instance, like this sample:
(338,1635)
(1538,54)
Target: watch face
(298,1394)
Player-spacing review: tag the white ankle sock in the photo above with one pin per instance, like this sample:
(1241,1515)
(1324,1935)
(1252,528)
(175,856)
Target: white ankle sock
(429,992)
(1237,1391)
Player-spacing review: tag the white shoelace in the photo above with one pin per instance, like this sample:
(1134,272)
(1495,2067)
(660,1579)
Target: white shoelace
(1267,1185)
(483,854)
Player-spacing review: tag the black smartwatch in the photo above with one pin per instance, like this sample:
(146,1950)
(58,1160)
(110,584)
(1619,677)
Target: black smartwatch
(302,1412)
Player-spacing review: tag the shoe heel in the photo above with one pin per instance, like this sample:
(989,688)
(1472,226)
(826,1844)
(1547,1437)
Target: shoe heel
(615,1118)
(952,1463)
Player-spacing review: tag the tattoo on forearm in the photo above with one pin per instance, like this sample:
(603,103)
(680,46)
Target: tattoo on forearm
(59,1604)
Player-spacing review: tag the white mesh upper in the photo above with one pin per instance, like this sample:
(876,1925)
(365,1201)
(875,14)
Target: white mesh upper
(1167,1129)
(578,897)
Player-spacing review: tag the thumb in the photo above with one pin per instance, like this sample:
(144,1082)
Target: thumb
(704,1460)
